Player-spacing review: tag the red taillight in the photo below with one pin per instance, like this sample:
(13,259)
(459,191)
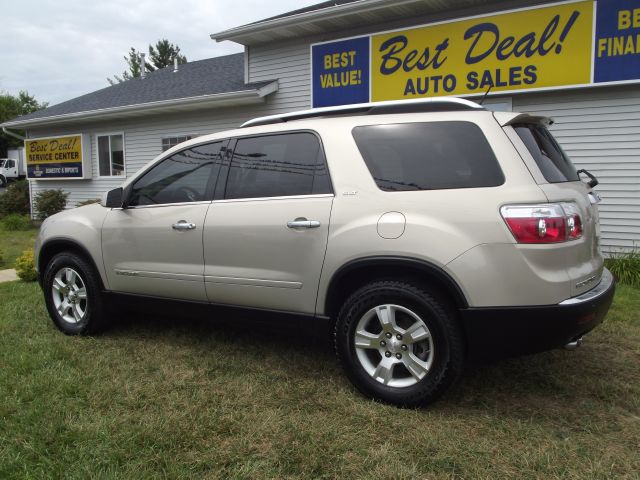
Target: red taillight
(548,223)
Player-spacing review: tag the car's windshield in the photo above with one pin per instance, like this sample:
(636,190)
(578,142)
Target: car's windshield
(1,163)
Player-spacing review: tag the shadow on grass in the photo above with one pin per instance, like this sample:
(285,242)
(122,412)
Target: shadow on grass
(546,385)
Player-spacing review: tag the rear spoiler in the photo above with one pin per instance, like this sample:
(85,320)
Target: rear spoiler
(511,118)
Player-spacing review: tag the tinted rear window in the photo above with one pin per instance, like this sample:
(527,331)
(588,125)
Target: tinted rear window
(428,156)
(552,161)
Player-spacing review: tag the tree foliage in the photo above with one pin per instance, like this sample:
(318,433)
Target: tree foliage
(12,106)
(161,55)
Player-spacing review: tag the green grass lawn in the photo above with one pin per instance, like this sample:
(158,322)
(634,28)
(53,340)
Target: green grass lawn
(176,398)
(12,244)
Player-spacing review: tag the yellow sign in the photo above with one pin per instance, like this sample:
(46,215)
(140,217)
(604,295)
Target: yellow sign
(527,49)
(55,157)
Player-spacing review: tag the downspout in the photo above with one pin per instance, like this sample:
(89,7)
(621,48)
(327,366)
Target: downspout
(12,134)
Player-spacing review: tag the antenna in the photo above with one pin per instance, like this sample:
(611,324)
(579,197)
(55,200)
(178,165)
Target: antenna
(485,95)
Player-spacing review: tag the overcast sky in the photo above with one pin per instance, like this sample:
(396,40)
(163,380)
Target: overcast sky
(60,50)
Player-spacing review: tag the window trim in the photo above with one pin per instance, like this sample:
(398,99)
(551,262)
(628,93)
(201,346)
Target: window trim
(192,136)
(233,142)
(124,155)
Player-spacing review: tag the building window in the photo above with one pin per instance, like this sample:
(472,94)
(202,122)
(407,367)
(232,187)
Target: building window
(111,155)
(170,142)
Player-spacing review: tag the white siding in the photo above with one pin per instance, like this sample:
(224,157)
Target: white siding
(599,128)
(290,64)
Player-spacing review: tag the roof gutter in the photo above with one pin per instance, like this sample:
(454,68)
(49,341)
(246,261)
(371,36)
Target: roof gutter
(324,14)
(229,98)
(11,134)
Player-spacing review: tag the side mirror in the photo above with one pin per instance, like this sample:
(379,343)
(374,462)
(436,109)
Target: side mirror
(115,198)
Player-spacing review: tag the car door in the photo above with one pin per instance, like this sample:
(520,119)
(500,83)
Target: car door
(12,169)
(265,240)
(153,246)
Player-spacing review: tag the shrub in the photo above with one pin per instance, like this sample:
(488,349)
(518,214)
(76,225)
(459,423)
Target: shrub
(14,222)
(15,199)
(50,202)
(1,257)
(625,266)
(25,268)
(91,201)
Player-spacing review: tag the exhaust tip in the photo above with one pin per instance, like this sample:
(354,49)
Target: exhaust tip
(572,345)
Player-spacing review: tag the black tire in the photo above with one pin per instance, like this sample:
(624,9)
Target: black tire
(3,182)
(444,352)
(95,317)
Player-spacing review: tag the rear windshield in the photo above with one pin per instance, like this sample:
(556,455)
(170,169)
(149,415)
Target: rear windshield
(428,156)
(552,161)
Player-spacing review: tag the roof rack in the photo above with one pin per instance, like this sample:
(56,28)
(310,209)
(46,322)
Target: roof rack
(443,104)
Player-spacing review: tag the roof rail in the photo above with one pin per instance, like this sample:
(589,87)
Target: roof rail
(442,104)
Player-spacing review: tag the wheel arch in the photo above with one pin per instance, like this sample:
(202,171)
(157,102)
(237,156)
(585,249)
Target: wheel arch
(55,246)
(358,272)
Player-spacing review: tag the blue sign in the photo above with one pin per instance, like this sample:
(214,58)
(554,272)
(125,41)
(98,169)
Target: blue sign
(617,45)
(340,72)
(55,170)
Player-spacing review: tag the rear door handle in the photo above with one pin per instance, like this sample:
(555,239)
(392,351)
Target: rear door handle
(303,223)
(183,225)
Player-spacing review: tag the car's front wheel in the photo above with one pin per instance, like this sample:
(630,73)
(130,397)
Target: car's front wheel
(399,343)
(3,182)
(73,295)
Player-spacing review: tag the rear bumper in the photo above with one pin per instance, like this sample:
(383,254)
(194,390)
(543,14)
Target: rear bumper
(508,331)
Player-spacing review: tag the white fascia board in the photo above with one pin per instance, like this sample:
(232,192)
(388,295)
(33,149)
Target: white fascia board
(235,34)
(242,97)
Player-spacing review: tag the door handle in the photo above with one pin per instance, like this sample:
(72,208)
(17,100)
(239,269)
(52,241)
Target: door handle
(303,223)
(183,225)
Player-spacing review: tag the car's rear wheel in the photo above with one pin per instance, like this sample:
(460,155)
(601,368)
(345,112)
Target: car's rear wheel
(73,295)
(399,343)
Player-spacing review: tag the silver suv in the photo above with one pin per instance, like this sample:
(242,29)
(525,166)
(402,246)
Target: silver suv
(427,232)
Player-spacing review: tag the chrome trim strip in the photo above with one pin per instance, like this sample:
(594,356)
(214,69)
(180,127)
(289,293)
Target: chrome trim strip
(604,285)
(292,197)
(253,282)
(159,275)
(138,207)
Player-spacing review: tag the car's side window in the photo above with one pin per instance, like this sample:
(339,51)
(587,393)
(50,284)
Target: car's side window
(183,177)
(428,156)
(278,166)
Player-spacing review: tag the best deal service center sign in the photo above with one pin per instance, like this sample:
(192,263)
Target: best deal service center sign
(58,158)
(569,44)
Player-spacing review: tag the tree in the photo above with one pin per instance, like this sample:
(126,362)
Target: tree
(11,107)
(161,55)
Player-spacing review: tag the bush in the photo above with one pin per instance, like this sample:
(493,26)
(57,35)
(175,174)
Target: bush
(1,257)
(625,266)
(25,268)
(15,199)
(50,202)
(14,222)
(91,201)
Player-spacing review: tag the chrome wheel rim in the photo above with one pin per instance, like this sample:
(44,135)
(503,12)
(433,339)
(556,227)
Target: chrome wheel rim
(394,345)
(69,295)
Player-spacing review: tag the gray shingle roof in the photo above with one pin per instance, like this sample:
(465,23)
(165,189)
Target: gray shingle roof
(203,77)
